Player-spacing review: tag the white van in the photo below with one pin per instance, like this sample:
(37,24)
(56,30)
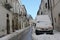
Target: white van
(43,25)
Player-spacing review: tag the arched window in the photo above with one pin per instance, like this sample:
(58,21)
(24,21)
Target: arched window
(46,5)
(7,15)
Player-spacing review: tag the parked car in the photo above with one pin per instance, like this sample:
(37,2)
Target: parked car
(43,25)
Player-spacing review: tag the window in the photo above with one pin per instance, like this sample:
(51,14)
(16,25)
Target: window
(53,3)
(34,24)
(59,14)
(46,5)
(55,20)
(25,15)
(41,13)
(38,12)
(6,1)
(7,15)
(38,21)
(59,18)
(8,25)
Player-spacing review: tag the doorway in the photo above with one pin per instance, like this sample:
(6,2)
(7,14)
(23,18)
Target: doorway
(8,24)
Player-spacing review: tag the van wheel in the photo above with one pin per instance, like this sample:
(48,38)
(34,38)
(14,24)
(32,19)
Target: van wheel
(36,32)
(39,32)
(50,32)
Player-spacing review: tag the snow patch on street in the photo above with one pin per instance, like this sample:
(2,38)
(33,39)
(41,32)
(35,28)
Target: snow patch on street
(55,36)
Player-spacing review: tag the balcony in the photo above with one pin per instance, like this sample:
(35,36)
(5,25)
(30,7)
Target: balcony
(7,6)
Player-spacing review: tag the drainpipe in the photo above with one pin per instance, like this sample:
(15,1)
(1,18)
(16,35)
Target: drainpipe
(52,14)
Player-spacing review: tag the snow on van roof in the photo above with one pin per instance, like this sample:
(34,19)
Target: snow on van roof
(42,18)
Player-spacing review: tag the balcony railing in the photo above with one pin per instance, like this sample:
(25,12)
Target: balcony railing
(7,6)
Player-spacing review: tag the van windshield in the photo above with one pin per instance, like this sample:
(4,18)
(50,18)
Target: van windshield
(43,22)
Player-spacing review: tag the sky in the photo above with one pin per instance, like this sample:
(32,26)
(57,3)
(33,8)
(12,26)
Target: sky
(31,6)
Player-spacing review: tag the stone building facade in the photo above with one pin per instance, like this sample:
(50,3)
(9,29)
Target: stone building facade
(56,13)
(44,8)
(5,18)
(51,8)
(7,11)
(13,16)
(23,17)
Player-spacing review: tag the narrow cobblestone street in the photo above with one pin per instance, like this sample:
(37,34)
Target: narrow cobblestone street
(28,36)
(29,19)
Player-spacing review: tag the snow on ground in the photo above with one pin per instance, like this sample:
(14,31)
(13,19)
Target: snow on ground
(55,36)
